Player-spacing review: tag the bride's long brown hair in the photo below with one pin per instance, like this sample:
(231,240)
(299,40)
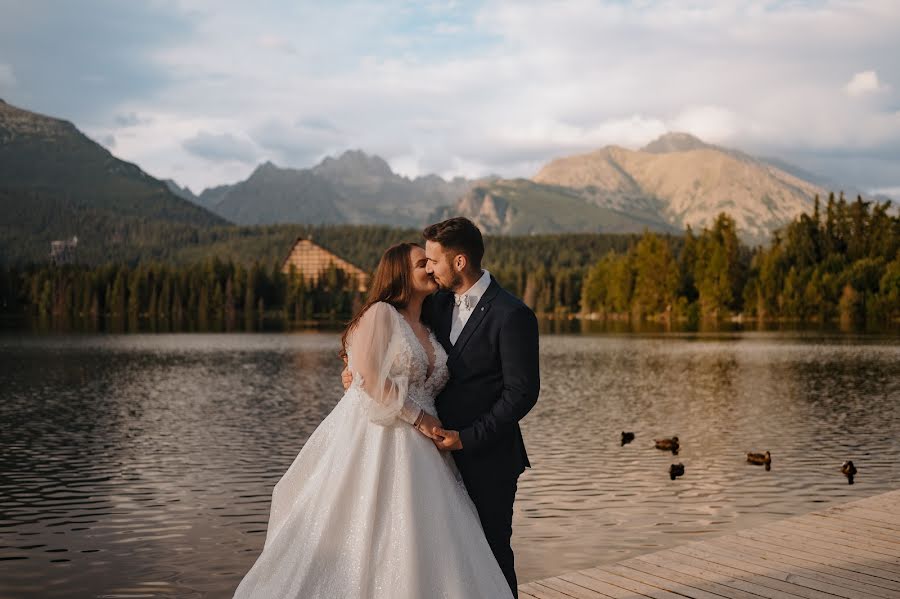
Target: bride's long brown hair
(392,283)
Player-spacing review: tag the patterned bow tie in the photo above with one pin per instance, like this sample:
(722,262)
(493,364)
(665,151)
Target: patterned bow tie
(467,300)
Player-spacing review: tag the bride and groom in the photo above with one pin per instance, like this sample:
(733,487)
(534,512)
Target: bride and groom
(406,489)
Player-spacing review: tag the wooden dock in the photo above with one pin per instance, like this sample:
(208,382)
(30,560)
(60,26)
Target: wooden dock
(850,551)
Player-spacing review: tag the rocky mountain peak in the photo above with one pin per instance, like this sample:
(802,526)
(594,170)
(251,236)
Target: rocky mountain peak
(18,123)
(685,187)
(352,164)
(266,169)
(675,142)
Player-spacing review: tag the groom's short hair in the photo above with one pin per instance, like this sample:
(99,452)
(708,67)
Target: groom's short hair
(460,235)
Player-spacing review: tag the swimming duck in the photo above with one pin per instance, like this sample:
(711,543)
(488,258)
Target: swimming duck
(676,470)
(627,438)
(848,470)
(760,459)
(667,444)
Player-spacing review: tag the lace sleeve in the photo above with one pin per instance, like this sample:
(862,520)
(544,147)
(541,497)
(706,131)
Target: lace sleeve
(374,346)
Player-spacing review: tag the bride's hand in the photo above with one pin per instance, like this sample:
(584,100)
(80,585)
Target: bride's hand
(428,424)
(346,378)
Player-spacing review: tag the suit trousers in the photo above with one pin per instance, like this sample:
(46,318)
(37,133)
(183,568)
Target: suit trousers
(493,498)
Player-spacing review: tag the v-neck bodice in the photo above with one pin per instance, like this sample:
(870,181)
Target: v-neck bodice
(435,348)
(424,387)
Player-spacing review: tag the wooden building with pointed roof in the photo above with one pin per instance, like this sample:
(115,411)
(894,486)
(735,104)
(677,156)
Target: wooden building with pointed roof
(311,260)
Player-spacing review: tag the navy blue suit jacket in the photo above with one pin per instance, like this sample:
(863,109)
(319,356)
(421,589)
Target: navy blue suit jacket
(494,380)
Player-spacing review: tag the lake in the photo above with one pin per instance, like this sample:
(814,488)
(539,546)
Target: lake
(142,465)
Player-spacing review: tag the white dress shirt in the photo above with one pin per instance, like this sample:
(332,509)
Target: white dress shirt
(465,304)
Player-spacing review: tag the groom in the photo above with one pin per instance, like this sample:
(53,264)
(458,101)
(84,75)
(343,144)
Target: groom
(491,339)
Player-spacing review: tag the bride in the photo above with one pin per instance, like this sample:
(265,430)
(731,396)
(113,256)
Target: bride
(370,508)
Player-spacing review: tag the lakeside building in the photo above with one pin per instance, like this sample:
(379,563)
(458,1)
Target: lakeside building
(311,260)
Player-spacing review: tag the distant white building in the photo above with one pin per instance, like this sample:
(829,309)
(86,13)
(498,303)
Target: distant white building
(62,251)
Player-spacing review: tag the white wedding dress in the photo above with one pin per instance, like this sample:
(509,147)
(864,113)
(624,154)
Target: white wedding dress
(370,508)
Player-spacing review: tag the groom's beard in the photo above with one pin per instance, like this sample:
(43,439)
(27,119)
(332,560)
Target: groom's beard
(453,284)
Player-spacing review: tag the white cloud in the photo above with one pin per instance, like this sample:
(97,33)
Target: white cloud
(108,141)
(863,83)
(130,119)
(298,143)
(891,192)
(510,85)
(222,147)
(276,42)
(713,124)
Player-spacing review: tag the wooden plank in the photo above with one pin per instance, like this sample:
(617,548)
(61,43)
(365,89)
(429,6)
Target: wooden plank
(834,537)
(572,589)
(821,557)
(540,592)
(849,551)
(687,590)
(878,518)
(798,586)
(856,555)
(861,539)
(871,567)
(853,560)
(883,518)
(599,586)
(790,573)
(832,569)
(872,503)
(804,582)
(713,572)
(720,590)
(634,586)
(883,498)
(793,541)
(871,532)
(849,517)
(548,592)
(889,497)
(883,504)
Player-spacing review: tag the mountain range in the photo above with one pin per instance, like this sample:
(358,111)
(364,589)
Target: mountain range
(55,181)
(675,181)
(354,188)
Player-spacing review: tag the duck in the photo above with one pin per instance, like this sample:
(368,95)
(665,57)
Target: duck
(667,444)
(760,459)
(848,470)
(627,438)
(676,470)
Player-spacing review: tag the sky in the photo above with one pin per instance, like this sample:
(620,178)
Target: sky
(203,91)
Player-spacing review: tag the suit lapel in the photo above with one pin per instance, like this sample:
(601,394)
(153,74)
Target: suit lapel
(478,314)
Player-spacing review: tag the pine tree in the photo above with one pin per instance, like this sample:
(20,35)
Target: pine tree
(230,310)
(656,275)
(118,294)
(164,301)
(135,290)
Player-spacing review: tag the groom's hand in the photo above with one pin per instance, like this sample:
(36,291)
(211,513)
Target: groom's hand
(448,440)
(346,378)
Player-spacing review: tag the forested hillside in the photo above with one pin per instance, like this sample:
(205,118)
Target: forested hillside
(840,262)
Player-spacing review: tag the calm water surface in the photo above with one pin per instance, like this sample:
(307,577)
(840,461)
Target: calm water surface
(142,465)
